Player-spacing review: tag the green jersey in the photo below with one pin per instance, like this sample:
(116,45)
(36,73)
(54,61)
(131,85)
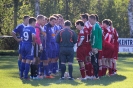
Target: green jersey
(96,37)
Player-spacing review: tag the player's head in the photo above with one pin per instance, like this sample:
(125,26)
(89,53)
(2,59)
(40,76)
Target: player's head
(97,18)
(84,17)
(40,20)
(26,19)
(79,24)
(61,20)
(32,21)
(110,22)
(52,20)
(105,23)
(57,18)
(92,19)
(67,23)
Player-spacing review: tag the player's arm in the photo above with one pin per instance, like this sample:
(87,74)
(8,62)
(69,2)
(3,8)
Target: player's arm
(14,34)
(81,40)
(33,37)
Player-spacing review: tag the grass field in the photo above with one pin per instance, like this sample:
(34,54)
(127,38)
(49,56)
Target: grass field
(9,77)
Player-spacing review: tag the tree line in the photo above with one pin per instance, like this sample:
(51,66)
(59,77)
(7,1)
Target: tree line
(12,12)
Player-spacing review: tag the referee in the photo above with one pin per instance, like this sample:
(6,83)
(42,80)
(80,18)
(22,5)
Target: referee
(66,38)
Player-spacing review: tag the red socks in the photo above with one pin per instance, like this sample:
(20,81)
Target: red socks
(88,68)
(82,71)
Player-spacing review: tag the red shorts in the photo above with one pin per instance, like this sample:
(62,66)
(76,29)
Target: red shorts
(82,52)
(115,53)
(108,49)
(100,54)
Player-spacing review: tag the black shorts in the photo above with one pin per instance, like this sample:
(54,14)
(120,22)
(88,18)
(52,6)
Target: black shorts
(66,54)
(36,50)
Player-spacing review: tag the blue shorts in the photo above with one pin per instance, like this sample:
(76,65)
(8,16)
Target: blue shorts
(51,50)
(19,48)
(57,50)
(27,51)
(43,55)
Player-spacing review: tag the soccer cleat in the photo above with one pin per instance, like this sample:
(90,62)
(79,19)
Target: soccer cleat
(27,79)
(82,79)
(70,78)
(50,77)
(89,77)
(94,78)
(38,77)
(62,78)
(52,74)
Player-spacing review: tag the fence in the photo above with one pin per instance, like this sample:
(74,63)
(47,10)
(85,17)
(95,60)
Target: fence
(8,43)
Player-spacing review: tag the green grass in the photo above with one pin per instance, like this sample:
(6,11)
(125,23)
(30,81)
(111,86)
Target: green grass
(9,77)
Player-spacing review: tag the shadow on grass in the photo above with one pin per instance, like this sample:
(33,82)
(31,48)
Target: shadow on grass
(104,81)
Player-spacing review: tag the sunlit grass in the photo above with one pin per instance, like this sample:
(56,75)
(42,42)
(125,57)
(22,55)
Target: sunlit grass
(9,77)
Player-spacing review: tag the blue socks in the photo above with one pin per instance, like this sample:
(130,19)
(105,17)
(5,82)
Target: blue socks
(46,70)
(19,65)
(41,68)
(22,69)
(54,67)
(27,67)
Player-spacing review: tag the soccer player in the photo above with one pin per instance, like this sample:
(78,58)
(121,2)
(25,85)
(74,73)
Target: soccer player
(82,48)
(100,52)
(57,28)
(116,47)
(28,39)
(96,43)
(66,39)
(50,45)
(108,46)
(19,30)
(38,47)
(87,28)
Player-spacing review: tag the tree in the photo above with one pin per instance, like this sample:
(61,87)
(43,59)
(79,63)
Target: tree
(37,4)
(130,16)
(15,12)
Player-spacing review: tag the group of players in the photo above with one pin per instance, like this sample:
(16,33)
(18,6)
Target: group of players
(39,51)
(105,57)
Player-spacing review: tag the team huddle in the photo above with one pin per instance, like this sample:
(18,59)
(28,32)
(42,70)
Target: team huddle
(46,45)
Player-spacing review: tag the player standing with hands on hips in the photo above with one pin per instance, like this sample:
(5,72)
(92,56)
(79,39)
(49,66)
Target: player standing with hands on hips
(96,43)
(66,38)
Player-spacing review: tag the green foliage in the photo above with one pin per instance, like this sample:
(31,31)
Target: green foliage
(116,10)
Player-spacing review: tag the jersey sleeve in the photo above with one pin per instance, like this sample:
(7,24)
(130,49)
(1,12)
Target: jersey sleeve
(44,28)
(16,30)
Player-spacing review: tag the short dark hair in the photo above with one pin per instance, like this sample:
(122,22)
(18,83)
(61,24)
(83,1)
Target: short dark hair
(52,18)
(32,19)
(26,16)
(84,16)
(79,22)
(39,17)
(105,21)
(56,15)
(67,23)
(97,18)
(92,16)
(110,22)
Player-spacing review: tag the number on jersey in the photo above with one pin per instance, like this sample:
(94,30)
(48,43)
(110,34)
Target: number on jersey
(26,36)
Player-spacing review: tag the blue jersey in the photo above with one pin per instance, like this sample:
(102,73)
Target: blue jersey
(19,30)
(27,34)
(50,32)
